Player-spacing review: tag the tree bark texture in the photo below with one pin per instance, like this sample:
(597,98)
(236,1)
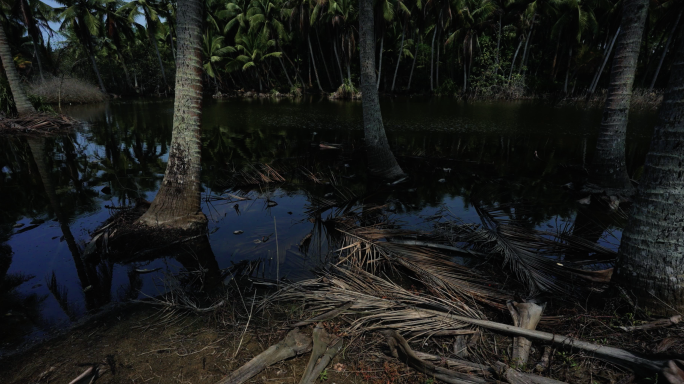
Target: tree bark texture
(177,203)
(381,161)
(18,93)
(609,168)
(651,257)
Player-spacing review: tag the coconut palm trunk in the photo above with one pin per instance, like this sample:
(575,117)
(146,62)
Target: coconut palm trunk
(597,77)
(381,161)
(91,55)
(177,203)
(313,62)
(609,168)
(651,257)
(18,93)
(337,58)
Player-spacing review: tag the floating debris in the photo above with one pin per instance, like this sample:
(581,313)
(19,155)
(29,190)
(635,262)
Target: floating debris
(585,201)
(271,203)
(441,180)
(144,271)
(238,232)
(18,225)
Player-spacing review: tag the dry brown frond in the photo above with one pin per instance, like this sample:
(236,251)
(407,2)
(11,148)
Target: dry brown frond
(254,174)
(40,124)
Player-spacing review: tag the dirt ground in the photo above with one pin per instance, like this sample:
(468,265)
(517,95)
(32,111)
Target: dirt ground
(145,345)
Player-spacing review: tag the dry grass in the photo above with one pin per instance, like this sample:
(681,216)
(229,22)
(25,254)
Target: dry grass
(71,90)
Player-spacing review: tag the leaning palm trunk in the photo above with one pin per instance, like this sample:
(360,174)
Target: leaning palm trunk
(90,50)
(651,257)
(313,62)
(20,98)
(609,168)
(381,161)
(667,47)
(177,203)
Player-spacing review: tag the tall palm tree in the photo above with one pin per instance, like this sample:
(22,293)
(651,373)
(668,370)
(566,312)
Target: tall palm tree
(116,28)
(149,9)
(81,18)
(34,14)
(177,203)
(651,257)
(18,93)
(381,161)
(609,168)
(341,14)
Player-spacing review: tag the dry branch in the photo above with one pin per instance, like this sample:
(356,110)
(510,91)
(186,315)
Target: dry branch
(525,315)
(295,343)
(660,323)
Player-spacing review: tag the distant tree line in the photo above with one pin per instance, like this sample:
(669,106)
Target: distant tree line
(484,47)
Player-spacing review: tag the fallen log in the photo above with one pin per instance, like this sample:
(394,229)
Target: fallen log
(295,343)
(614,355)
(526,316)
(321,340)
(398,344)
(330,353)
(516,377)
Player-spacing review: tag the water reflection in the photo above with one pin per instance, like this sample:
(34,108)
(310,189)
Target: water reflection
(457,155)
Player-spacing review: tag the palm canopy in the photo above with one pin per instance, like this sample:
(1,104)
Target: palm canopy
(254,49)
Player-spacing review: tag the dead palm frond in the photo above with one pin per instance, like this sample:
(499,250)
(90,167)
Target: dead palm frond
(40,124)
(368,247)
(253,174)
(378,303)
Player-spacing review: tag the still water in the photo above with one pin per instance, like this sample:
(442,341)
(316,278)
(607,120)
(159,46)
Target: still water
(55,192)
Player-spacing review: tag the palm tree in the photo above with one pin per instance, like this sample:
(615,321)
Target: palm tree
(81,18)
(609,168)
(254,51)
(148,8)
(651,257)
(116,28)
(177,203)
(34,14)
(18,93)
(341,14)
(381,161)
(213,52)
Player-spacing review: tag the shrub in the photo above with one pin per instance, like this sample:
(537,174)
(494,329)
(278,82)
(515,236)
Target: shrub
(73,90)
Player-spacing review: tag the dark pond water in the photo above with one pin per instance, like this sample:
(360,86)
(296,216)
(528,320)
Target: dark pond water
(55,192)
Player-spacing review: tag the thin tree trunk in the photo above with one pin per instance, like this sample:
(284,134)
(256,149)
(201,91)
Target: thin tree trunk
(153,39)
(320,49)
(439,45)
(555,57)
(18,93)
(382,43)
(125,69)
(651,256)
(515,56)
(415,56)
(339,65)
(381,161)
(465,73)
(667,47)
(177,203)
(280,59)
(401,50)
(173,49)
(527,42)
(567,72)
(313,62)
(605,60)
(609,168)
(498,44)
(432,55)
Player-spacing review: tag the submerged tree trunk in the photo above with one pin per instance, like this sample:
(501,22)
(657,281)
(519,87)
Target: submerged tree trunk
(177,203)
(667,47)
(382,44)
(609,169)
(401,50)
(651,258)
(313,62)
(18,93)
(381,161)
(605,60)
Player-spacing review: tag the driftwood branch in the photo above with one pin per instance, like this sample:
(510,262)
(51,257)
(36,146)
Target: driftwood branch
(660,323)
(517,377)
(525,315)
(321,340)
(330,353)
(325,316)
(295,343)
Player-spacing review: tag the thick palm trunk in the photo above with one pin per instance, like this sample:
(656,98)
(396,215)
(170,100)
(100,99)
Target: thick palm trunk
(609,169)
(401,50)
(177,203)
(651,257)
(18,93)
(605,60)
(667,47)
(381,161)
(382,43)
(313,62)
